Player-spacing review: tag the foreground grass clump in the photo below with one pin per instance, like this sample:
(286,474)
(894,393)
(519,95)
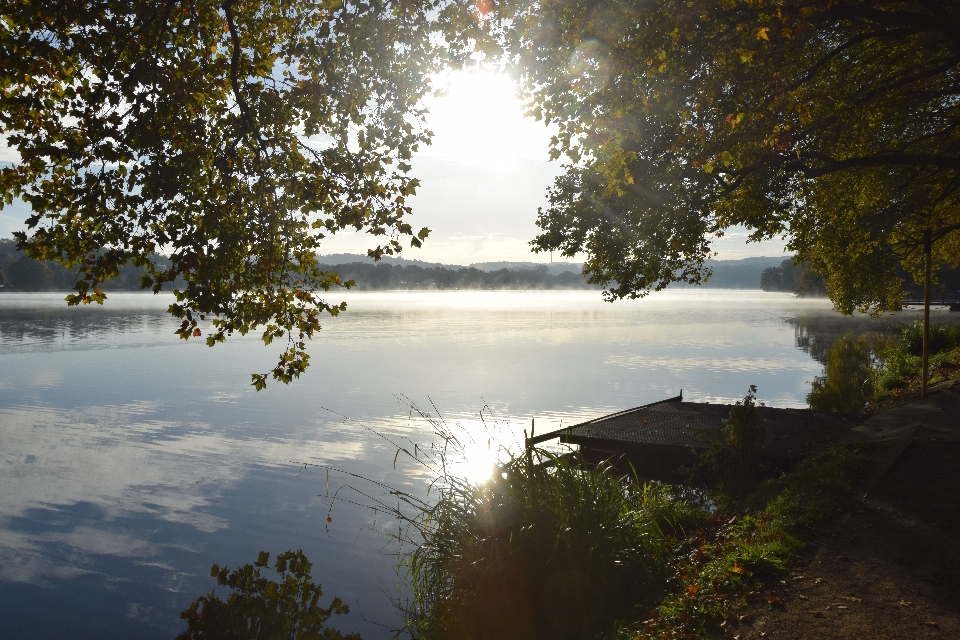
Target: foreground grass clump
(549,548)
(728,560)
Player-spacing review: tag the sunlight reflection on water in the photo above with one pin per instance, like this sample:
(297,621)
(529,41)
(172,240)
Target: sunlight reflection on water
(131,461)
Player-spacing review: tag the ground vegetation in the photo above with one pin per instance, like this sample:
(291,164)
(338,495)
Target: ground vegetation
(574,550)
(739,554)
(554,547)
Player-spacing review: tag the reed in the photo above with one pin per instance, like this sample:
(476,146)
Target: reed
(550,547)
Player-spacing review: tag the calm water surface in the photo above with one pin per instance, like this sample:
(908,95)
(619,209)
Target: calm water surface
(130,461)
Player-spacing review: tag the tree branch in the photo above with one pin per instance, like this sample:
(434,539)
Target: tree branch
(236,51)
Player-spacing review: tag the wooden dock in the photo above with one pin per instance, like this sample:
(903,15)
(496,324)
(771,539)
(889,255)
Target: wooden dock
(939,299)
(659,438)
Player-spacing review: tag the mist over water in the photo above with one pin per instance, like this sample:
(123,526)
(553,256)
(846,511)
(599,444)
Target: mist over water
(130,461)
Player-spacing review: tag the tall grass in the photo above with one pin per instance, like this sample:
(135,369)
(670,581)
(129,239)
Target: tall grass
(551,547)
(554,547)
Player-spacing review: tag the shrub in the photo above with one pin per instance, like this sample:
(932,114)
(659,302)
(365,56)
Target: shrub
(730,460)
(942,337)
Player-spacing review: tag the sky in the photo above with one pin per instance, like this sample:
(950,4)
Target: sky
(482,180)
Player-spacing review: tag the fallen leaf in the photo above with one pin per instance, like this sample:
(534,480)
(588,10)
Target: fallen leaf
(692,589)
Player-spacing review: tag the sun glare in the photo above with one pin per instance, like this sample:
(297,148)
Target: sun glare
(480,446)
(480,121)
(476,465)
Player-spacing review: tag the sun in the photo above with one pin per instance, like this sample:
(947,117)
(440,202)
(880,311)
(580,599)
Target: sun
(479,120)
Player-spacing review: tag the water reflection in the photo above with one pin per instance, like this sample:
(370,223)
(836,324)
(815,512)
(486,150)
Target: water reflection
(130,461)
(42,321)
(262,608)
(816,332)
(847,384)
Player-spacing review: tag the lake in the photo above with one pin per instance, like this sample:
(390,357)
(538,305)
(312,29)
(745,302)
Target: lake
(131,461)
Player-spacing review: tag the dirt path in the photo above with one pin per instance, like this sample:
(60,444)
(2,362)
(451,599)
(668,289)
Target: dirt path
(888,566)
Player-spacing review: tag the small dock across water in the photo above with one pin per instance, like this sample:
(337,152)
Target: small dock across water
(661,437)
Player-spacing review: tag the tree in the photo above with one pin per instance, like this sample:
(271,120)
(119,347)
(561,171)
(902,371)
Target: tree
(795,278)
(27,274)
(264,609)
(834,124)
(233,134)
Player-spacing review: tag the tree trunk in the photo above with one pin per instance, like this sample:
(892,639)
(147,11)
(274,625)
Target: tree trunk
(926,312)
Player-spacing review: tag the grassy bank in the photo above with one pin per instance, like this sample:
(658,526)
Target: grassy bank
(571,550)
(736,555)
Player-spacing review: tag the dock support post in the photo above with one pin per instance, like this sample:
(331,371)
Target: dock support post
(927,241)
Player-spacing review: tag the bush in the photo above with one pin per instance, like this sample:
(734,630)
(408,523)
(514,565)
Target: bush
(730,461)
(942,338)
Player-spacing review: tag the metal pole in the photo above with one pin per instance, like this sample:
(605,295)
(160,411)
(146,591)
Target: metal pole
(926,311)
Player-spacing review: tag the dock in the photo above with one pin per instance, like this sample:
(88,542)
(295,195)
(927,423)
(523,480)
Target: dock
(939,299)
(661,437)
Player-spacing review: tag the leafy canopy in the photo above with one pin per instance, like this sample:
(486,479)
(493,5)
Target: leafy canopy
(232,134)
(834,124)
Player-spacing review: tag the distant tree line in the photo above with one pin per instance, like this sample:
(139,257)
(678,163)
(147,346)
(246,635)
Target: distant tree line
(802,280)
(19,272)
(383,276)
(795,278)
(22,273)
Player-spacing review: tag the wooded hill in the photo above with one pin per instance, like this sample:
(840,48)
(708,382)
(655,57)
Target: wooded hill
(19,273)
